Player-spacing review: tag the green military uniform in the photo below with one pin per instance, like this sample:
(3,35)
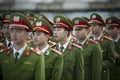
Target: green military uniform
(53,58)
(113,22)
(92,52)
(107,46)
(73,66)
(30,65)
(53,64)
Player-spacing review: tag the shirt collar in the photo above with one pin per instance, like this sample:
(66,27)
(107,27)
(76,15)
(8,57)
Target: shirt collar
(83,42)
(7,42)
(65,45)
(98,37)
(116,40)
(44,49)
(20,51)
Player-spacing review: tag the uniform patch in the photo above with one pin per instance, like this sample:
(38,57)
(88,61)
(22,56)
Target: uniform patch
(60,53)
(28,63)
(36,51)
(108,38)
(76,45)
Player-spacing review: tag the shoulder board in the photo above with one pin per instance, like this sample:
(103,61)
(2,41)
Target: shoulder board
(4,49)
(58,52)
(76,45)
(36,51)
(53,46)
(1,44)
(28,41)
(93,41)
(51,42)
(108,38)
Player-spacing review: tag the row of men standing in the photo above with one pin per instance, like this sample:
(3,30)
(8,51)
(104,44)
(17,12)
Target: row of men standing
(72,56)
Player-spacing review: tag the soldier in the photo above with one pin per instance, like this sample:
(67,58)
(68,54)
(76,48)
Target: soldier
(21,62)
(5,28)
(73,65)
(52,40)
(92,50)
(53,58)
(113,27)
(105,42)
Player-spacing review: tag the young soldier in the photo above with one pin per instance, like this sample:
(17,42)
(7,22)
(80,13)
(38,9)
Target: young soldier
(53,58)
(21,62)
(92,50)
(113,27)
(105,42)
(73,66)
(5,28)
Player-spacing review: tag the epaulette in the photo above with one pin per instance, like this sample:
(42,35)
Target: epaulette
(29,41)
(1,44)
(4,49)
(108,38)
(58,52)
(93,41)
(76,45)
(51,42)
(36,51)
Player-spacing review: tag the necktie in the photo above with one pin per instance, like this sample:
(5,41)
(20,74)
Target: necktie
(9,44)
(16,56)
(61,48)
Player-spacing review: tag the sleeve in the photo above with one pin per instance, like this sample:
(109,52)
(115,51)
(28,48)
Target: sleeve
(110,58)
(96,62)
(57,69)
(79,68)
(40,69)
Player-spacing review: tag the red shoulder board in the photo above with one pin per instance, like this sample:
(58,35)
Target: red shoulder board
(29,41)
(76,45)
(93,41)
(51,42)
(108,38)
(4,49)
(58,52)
(36,51)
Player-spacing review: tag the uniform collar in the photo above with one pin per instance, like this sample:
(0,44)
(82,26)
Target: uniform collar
(116,40)
(82,42)
(44,49)
(20,51)
(98,37)
(65,45)
(7,42)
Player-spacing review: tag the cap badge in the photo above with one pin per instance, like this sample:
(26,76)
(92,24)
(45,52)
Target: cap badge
(39,23)
(58,19)
(109,21)
(94,16)
(7,16)
(16,18)
(76,21)
(27,14)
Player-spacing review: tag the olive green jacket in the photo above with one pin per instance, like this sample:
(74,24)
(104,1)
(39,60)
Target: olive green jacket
(30,66)
(92,60)
(53,64)
(73,65)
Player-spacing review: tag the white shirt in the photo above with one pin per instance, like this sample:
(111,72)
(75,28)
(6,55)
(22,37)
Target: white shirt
(44,49)
(7,42)
(98,37)
(116,40)
(65,45)
(83,42)
(20,51)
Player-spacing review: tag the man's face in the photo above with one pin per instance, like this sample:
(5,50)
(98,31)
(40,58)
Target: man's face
(80,32)
(18,34)
(6,29)
(96,28)
(112,31)
(40,38)
(60,33)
